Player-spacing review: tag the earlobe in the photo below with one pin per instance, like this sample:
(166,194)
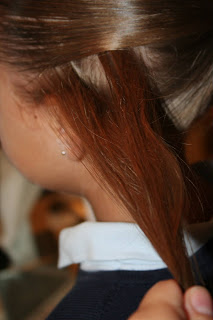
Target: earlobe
(69,144)
(71,147)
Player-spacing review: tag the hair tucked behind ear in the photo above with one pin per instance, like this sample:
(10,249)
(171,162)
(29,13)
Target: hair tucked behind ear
(142,64)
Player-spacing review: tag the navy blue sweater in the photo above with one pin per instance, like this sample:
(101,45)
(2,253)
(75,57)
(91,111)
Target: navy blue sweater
(114,295)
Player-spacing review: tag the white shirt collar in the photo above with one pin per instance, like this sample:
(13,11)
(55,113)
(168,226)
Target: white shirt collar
(118,246)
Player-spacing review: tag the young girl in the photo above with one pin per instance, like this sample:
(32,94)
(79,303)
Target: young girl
(95,99)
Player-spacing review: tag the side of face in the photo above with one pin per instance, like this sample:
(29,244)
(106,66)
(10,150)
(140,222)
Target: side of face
(31,144)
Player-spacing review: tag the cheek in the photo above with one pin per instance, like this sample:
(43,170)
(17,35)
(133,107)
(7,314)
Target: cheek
(18,141)
(32,147)
(23,140)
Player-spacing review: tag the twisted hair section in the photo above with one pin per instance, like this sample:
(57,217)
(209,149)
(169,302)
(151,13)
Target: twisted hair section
(128,77)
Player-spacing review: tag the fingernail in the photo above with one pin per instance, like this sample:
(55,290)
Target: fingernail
(200,300)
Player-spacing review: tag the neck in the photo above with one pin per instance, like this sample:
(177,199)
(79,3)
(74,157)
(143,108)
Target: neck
(105,207)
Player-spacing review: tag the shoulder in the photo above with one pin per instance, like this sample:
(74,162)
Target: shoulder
(106,295)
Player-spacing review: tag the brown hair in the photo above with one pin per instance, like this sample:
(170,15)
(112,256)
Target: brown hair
(121,72)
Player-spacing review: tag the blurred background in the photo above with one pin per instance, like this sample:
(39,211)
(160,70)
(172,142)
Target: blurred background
(30,222)
(31,219)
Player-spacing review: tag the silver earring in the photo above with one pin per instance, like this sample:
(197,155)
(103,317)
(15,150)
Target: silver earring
(63,152)
(59,141)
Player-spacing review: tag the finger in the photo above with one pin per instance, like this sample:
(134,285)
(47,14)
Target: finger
(198,304)
(163,301)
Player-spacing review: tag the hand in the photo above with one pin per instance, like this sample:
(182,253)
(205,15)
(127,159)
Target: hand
(165,301)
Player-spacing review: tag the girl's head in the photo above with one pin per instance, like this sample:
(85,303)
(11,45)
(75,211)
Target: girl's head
(115,84)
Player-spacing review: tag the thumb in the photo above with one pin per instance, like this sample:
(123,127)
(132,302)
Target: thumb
(198,303)
(163,301)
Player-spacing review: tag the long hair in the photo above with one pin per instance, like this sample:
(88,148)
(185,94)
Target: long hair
(128,77)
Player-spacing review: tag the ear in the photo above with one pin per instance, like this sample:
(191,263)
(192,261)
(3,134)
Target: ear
(70,145)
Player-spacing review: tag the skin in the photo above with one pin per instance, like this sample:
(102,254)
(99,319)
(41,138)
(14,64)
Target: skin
(33,147)
(166,301)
